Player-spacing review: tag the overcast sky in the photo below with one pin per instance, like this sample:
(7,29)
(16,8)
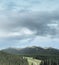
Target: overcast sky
(29,23)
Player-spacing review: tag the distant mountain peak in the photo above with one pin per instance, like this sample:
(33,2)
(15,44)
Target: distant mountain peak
(32,50)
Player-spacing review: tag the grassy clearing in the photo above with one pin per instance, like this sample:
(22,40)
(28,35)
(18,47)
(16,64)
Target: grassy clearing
(32,61)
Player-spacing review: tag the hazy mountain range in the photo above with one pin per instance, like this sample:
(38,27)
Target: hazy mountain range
(34,50)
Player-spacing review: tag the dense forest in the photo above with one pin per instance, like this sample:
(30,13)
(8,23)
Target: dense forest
(48,60)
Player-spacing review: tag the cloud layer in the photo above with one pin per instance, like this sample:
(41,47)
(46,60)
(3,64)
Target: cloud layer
(40,23)
(28,19)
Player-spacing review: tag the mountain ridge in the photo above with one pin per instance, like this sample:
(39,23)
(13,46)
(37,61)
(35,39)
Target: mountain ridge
(34,50)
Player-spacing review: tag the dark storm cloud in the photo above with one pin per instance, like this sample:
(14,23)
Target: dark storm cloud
(36,21)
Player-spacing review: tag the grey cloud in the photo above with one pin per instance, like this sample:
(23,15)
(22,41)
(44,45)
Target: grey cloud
(39,21)
(35,21)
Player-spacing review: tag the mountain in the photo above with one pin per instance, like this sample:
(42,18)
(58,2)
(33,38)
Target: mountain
(24,51)
(11,50)
(32,51)
(53,51)
(10,59)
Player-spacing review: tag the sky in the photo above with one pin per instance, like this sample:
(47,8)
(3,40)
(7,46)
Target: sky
(29,23)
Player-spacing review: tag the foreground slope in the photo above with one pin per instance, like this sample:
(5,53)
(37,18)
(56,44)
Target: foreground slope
(9,59)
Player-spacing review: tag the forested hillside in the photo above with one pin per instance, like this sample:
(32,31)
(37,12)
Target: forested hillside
(46,56)
(9,59)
